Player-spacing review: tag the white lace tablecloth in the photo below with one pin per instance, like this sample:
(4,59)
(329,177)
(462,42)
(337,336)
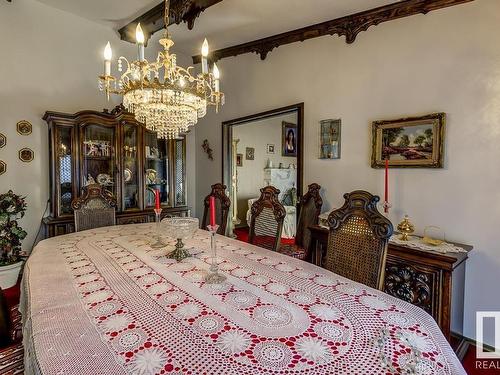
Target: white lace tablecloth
(103,302)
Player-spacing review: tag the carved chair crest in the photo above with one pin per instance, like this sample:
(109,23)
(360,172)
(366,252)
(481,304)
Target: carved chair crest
(357,244)
(362,203)
(269,198)
(310,209)
(223,203)
(94,197)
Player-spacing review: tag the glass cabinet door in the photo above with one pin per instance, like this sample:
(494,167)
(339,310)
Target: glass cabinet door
(130,192)
(99,162)
(64,169)
(156,169)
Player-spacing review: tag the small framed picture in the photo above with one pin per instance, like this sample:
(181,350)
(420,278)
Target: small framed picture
(3,167)
(289,139)
(329,139)
(270,148)
(3,140)
(239,160)
(250,153)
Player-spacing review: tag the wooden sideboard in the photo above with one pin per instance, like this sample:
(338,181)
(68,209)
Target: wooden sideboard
(424,278)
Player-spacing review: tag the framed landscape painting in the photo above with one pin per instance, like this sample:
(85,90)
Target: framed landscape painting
(414,142)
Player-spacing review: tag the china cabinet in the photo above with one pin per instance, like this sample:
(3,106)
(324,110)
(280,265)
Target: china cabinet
(114,150)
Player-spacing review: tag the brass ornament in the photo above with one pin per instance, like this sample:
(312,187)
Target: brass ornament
(24,127)
(405,228)
(26,154)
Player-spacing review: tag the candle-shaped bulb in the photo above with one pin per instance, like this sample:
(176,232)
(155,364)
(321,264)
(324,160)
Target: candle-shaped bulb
(204,54)
(139,34)
(108,53)
(204,48)
(216,78)
(216,72)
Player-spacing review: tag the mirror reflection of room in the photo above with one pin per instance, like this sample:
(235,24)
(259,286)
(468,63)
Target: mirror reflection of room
(266,155)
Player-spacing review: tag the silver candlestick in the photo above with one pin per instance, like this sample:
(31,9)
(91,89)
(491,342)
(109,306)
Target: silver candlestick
(214,277)
(159,243)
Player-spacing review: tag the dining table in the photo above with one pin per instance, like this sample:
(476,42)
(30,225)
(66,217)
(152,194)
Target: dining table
(103,301)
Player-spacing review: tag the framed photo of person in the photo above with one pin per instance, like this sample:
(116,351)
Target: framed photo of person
(413,142)
(289,140)
(270,148)
(239,160)
(329,139)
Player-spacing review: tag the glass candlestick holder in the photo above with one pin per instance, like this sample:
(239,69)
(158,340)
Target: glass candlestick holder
(159,243)
(214,277)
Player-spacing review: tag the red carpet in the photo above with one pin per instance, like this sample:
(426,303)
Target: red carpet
(473,366)
(242,235)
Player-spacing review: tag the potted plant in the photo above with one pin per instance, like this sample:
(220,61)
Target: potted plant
(12,208)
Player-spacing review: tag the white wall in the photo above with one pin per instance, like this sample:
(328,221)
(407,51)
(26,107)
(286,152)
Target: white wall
(258,134)
(447,60)
(50,60)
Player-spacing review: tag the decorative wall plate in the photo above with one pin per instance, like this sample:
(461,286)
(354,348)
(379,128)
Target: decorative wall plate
(151,176)
(26,154)
(3,167)
(104,179)
(24,127)
(127,173)
(3,140)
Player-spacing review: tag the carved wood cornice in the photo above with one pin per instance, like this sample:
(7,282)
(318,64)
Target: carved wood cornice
(152,21)
(349,26)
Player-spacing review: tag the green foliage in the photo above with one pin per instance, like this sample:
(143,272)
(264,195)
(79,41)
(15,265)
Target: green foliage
(390,135)
(405,141)
(12,208)
(419,140)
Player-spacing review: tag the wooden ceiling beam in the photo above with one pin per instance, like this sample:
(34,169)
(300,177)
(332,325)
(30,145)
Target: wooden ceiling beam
(349,26)
(152,21)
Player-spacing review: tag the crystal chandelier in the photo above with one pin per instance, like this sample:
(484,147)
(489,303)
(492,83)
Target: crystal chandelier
(165,97)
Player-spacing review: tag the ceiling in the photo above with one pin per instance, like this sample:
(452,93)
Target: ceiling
(227,23)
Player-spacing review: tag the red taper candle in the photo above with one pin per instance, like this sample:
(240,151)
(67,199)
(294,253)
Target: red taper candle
(212,211)
(157,199)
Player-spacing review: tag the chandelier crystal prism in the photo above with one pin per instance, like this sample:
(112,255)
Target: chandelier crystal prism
(166,97)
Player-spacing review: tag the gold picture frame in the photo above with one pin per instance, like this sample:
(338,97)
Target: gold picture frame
(3,167)
(3,140)
(412,142)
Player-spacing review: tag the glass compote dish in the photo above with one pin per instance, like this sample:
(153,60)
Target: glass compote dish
(180,228)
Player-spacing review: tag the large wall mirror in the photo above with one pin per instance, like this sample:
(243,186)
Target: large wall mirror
(260,150)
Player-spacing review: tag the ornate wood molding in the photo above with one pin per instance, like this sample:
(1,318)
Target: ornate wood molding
(349,26)
(152,21)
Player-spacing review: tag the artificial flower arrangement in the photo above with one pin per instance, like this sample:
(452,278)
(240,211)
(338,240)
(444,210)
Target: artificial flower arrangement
(12,208)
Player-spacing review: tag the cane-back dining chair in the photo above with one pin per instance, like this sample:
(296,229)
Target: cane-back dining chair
(95,208)
(358,239)
(310,208)
(222,205)
(11,346)
(267,218)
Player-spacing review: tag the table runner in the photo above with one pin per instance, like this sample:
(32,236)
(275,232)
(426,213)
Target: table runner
(103,302)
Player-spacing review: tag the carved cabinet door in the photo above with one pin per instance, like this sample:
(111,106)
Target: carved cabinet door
(418,285)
